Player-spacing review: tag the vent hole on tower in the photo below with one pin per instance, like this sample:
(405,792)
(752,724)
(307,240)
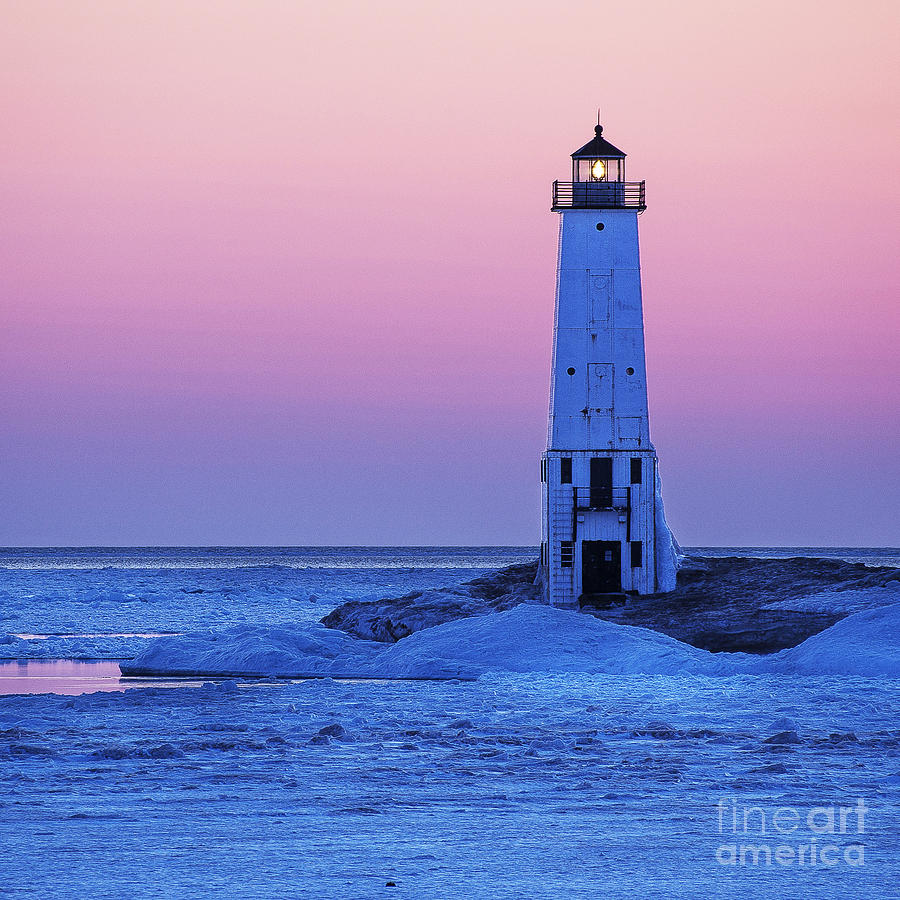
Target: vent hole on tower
(629,371)
(571,370)
(600,226)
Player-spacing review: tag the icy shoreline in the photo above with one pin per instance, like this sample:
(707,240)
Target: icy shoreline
(728,605)
(737,604)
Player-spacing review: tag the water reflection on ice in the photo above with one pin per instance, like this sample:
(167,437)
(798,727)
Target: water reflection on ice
(72,677)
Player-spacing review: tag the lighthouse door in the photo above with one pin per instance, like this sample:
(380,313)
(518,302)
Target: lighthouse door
(601,567)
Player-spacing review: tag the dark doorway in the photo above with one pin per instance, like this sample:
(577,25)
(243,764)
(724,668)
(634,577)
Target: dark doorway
(601,482)
(601,567)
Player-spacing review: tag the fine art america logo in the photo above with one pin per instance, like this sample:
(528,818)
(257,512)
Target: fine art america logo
(790,836)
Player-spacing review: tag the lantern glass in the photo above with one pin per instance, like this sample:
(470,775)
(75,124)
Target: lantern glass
(599,169)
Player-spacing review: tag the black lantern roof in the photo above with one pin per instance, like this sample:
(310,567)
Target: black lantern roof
(599,147)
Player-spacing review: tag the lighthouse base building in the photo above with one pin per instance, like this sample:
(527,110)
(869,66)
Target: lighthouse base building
(604,532)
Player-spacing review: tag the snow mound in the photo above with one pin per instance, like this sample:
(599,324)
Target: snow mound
(866,643)
(527,638)
(534,638)
(304,650)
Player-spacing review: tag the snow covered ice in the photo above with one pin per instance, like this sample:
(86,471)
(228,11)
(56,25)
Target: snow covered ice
(586,758)
(528,638)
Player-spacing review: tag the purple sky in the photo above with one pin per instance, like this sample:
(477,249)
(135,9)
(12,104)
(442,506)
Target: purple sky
(282,273)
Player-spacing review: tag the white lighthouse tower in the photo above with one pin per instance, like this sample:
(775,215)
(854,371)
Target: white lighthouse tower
(604,530)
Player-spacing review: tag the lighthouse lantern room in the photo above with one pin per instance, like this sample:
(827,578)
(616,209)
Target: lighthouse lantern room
(604,532)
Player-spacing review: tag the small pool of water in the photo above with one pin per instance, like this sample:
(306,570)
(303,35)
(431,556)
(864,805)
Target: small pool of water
(26,636)
(73,676)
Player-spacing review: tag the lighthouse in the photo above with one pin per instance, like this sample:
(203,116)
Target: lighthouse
(604,531)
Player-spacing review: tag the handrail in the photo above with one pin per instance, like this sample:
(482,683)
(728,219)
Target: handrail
(602,498)
(598,195)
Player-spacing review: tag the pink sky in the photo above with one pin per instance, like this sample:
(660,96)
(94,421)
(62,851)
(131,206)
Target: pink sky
(282,272)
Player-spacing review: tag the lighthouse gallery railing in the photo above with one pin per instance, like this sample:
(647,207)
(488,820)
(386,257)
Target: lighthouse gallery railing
(602,498)
(598,195)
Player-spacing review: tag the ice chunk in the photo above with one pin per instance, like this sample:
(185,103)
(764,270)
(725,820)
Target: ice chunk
(783,724)
(783,737)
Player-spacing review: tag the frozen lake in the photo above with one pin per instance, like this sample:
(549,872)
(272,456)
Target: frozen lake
(515,785)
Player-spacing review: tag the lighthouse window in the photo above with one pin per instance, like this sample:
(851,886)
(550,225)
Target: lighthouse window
(637,554)
(570,370)
(629,371)
(636,470)
(600,226)
(567,554)
(565,470)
